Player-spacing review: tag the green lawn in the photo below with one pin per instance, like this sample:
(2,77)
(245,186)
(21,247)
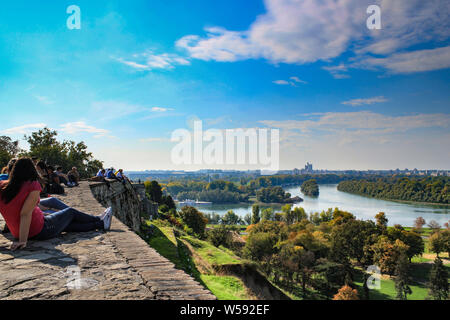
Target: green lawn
(225,287)
(210,253)
(419,273)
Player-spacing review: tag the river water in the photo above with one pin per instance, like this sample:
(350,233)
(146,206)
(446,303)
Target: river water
(362,207)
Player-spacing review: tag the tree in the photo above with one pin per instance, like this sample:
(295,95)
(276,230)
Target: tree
(310,188)
(434,225)
(154,191)
(381,221)
(267,214)
(419,223)
(438,281)
(67,154)
(402,277)
(440,242)
(260,245)
(218,236)
(248,218)
(386,253)
(231,218)
(194,219)
(8,150)
(346,293)
(255,216)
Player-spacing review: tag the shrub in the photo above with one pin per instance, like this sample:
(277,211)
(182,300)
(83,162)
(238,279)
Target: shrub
(194,220)
(219,236)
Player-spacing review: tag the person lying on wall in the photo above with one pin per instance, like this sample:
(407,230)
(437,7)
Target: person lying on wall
(21,208)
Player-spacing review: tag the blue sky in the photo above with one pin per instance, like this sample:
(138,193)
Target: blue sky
(343,96)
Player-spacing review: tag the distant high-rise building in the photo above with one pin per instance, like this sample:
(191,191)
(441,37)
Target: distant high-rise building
(308,168)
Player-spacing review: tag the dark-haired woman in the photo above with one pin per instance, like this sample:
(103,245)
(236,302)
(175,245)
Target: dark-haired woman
(19,206)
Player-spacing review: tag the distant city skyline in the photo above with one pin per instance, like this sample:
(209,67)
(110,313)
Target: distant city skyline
(343,97)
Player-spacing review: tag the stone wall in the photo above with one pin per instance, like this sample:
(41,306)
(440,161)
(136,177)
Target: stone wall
(128,201)
(116,264)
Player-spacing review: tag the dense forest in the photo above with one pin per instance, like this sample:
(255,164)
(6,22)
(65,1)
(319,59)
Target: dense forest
(429,189)
(310,188)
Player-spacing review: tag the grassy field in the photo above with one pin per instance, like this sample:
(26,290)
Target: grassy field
(210,253)
(225,287)
(164,241)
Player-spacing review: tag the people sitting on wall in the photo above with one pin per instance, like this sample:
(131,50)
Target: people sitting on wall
(6,170)
(101,174)
(54,185)
(41,168)
(19,206)
(63,178)
(74,176)
(120,175)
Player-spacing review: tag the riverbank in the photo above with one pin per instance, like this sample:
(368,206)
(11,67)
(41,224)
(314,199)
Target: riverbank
(446,205)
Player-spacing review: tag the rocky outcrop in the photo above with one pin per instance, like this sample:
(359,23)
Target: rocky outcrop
(94,265)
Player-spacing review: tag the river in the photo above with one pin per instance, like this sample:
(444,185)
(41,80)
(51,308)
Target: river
(362,207)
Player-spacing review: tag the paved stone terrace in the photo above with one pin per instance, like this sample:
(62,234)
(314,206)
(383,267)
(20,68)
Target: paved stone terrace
(92,266)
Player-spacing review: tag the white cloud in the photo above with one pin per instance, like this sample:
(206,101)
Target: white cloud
(293,82)
(160,109)
(298,80)
(281,82)
(415,61)
(148,61)
(305,31)
(82,127)
(24,129)
(360,102)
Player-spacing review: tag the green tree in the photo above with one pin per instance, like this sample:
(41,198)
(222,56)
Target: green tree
(310,188)
(8,150)
(154,191)
(267,214)
(440,242)
(438,281)
(231,218)
(260,245)
(402,277)
(194,219)
(381,221)
(255,214)
(248,218)
(67,154)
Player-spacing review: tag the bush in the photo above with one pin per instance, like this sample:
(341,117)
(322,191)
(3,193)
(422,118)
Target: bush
(194,220)
(219,236)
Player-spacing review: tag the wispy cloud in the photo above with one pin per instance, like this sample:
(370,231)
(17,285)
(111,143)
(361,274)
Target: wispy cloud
(81,127)
(161,109)
(27,128)
(44,100)
(367,101)
(149,61)
(357,126)
(415,61)
(281,82)
(293,81)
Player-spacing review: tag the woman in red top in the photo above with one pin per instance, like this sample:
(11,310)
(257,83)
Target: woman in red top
(19,206)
